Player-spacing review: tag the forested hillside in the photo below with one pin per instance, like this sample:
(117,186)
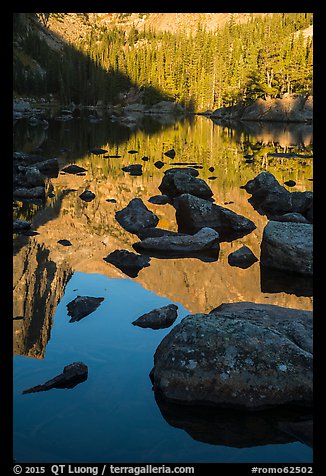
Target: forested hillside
(267,55)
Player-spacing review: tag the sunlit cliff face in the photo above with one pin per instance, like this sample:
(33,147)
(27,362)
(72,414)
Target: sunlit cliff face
(42,267)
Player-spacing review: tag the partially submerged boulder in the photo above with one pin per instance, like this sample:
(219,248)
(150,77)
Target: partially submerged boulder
(288,246)
(175,184)
(128,262)
(205,239)
(271,198)
(193,213)
(242,258)
(87,196)
(242,355)
(82,306)
(71,376)
(136,216)
(158,318)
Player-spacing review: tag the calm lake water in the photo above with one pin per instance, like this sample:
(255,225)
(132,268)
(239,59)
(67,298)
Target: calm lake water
(114,415)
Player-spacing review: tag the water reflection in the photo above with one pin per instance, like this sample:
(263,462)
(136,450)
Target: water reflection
(43,267)
(233,428)
(39,284)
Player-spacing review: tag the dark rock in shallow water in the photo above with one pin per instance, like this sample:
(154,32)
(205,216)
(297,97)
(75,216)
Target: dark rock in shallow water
(232,427)
(159,164)
(87,196)
(30,233)
(74,169)
(185,170)
(133,169)
(136,216)
(211,169)
(158,318)
(290,183)
(204,240)
(179,183)
(21,226)
(132,151)
(193,213)
(111,200)
(271,198)
(244,355)
(170,153)
(159,199)
(112,156)
(213,177)
(242,258)
(72,375)
(129,263)
(145,159)
(65,243)
(98,151)
(288,246)
(82,306)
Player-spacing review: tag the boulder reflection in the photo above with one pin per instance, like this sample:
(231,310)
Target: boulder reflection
(239,429)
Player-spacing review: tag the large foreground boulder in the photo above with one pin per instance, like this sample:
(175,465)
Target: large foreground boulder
(243,355)
(183,245)
(193,213)
(288,246)
(136,216)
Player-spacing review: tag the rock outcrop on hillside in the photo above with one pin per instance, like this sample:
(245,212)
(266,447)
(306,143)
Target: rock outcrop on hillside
(289,108)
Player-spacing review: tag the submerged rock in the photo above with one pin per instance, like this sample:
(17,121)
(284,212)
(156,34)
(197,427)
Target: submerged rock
(71,376)
(193,213)
(128,262)
(158,318)
(182,245)
(82,306)
(242,258)
(243,355)
(136,216)
(288,246)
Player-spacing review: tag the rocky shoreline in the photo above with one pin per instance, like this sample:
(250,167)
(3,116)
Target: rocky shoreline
(289,108)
